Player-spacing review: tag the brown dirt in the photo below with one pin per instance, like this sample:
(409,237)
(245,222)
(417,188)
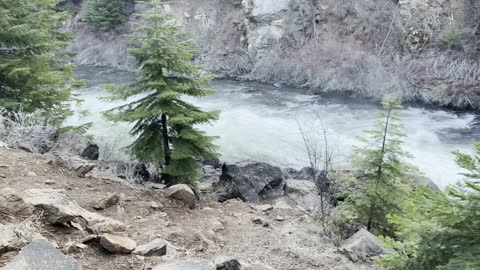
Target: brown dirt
(212,230)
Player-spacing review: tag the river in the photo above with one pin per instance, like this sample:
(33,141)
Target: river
(261,122)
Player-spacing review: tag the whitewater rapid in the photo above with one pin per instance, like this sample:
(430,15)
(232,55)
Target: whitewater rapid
(261,122)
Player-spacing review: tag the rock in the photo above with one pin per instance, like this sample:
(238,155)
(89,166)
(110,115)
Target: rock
(155,205)
(74,247)
(228,264)
(12,204)
(300,187)
(59,208)
(9,240)
(31,174)
(192,264)
(35,139)
(157,247)
(117,244)
(76,164)
(49,182)
(41,255)
(250,181)
(76,144)
(304,193)
(109,201)
(151,185)
(263,207)
(362,246)
(280,218)
(182,193)
(217,225)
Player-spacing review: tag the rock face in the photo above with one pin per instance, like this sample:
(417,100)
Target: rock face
(157,247)
(117,244)
(42,255)
(362,246)
(250,181)
(186,265)
(60,209)
(35,139)
(182,193)
(76,144)
(12,204)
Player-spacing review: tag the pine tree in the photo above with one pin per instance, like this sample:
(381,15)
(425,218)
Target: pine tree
(164,123)
(439,230)
(385,183)
(451,35)
(33,75)
(105,15)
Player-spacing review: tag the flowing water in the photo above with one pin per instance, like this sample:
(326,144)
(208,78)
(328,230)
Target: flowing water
(261,122)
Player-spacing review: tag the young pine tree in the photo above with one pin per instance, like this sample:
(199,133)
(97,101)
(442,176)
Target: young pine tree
(439,230)
(385,183)
(105,15)
(33,75)
(164,123)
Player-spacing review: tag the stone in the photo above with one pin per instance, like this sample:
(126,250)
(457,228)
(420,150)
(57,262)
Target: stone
(60,208)
(31,174)
(42,255)
(76,144)
(117,244)
(151,185)
(35,139)
(12,204)
(363,246)
(304,193)
(280,218)
(49,182)
(9,240)
(262,207)
(228,264)
(217,225)
(250,181)
(157,247)
(182,193)
(155,205)
(76,164)
(109,201)
(191,264)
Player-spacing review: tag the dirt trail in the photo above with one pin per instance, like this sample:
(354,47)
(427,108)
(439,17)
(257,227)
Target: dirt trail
(212,230)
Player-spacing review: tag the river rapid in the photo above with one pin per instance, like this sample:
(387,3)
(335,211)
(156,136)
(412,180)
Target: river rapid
(262,122)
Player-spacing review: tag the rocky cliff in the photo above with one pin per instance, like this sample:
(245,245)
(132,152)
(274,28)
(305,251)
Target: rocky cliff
(378,48)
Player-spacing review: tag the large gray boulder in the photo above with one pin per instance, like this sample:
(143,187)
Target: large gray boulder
(42,255)
(35,139)
(76,144)
(363,246)
(250,181)
(60,208)
(186,265)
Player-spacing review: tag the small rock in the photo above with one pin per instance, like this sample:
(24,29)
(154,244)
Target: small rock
(31,174)
(42,255)
(263,207)
(49,182)
(157,247)
(186,265)
(155,205)
(75,247)
(2,176)
(117,244)
(257,221)
(182,193)
(217,226)
(109,201)
(280,218)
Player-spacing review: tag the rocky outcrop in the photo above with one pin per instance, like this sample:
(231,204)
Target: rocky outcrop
(186,265)
(60,208)
(250,181)
(76,144)
(42,255)
(363,246)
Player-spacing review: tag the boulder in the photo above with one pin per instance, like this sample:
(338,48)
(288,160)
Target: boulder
(182,193)
(250,181)
(76,144)
(304,193)
(109,201)
(362,246)
(60,208)
(12,204)
(42,255)
(35,139)
(9,240)
(157,247)
(117,244)
(192,264)
(76,164)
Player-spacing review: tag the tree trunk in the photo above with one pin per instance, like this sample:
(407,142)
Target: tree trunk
(166,148)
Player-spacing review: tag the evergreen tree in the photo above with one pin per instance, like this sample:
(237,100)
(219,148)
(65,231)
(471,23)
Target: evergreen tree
(450,35)
(440,230)
(164,123)
(104,14)
(385,183)
(33,75)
